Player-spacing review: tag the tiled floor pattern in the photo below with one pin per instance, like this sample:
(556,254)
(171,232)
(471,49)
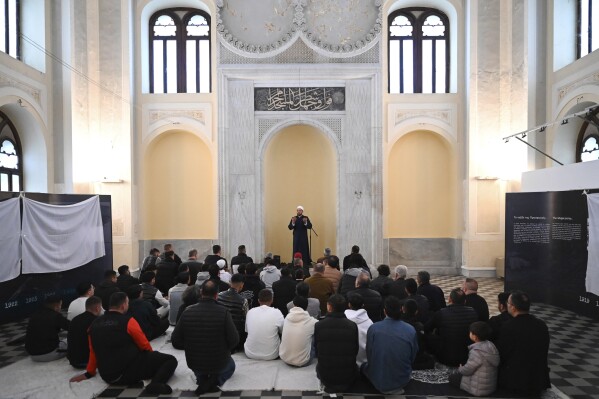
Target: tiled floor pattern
(573,358)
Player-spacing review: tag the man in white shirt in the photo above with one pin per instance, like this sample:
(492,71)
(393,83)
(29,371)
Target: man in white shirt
(298,330)
(358,315)
(263,325)
(224,271)
(85,290)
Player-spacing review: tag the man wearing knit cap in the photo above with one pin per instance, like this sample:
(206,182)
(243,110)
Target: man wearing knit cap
(300,224)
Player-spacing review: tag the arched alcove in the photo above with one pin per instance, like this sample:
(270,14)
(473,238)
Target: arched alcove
(179,188)
(300,168)
(421,189)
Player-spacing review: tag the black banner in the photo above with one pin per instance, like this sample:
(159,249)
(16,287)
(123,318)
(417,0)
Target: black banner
(546,237)
(23,295)
(299,98)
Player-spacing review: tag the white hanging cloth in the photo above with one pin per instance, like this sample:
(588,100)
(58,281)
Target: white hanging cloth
(61,237)
(592,279)
(10,239)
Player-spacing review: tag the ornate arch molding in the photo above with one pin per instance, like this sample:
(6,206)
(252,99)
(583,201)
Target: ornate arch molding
(406,119)
(278,127)
(296,19)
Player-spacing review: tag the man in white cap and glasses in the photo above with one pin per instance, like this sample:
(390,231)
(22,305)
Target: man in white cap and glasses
(300,225)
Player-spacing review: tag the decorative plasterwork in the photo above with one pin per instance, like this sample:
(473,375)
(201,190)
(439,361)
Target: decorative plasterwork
(7,81)
(264,27)
(589,79)
(403,115)
(198,115)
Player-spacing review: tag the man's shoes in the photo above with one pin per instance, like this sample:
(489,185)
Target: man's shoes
(156,388)
(208,385)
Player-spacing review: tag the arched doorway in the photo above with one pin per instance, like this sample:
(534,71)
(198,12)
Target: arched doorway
(300,168)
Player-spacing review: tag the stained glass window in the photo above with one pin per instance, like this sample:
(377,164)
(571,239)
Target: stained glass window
(11,168)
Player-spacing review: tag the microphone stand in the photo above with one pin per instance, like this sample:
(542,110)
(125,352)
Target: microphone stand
(316,234)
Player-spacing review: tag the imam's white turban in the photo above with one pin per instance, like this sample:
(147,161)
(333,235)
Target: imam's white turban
(300,207)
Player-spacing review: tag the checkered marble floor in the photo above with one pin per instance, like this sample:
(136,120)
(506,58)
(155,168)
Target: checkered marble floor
(573,357)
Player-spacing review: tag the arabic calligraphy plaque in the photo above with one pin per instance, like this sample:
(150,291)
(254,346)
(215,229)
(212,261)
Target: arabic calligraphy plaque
(299,99)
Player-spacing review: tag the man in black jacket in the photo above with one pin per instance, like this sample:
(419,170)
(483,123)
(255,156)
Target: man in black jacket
(241,257)
(451,326)
(78,350)
(356,258)
(475,301)
(193,265)
(107,287)
(373,301)
(336,343)
(145,314)
(125,279)
(497,321)
(523,346)
(252,285)
(411,288)
(434,294)
(120,351)
(215,257)
(237,305)
(41,338)
(283,290)
(166,271)
(207,334)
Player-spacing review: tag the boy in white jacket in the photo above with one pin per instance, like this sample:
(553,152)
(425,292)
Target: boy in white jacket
(358,315)
(298,331)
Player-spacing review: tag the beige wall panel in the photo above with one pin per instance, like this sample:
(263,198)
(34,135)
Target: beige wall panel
(179,189)
(488,207)
(421,187)
(300,169)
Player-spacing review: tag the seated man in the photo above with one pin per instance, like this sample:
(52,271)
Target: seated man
(321,287)
(284,290)
(237,305)
(263,325)
(107,287)
(125,279)
(41,339)
(523,347)
(303,289)
(78,350)
(434,293)
(145,314)
(174,296)
(336,343)
(373,302)
(122,354)
(391,348)
(411,287)
(451,326)
(208,335)
(153,294)
(475,301)
(298,330)
(77,306)
(497,321)
(358,315)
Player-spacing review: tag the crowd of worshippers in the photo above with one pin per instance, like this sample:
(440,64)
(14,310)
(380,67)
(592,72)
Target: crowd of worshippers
(355,326)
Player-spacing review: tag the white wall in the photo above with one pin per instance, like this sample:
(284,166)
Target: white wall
(575,176)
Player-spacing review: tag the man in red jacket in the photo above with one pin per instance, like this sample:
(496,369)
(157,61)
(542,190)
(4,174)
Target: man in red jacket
(122,354)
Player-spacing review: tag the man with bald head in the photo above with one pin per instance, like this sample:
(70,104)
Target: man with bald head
(475,301)
(300,224)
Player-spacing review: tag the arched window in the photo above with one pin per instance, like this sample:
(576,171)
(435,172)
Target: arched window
(418,51)
(11,157)
(588,18)
(9,35)
(587,146)
(180,51)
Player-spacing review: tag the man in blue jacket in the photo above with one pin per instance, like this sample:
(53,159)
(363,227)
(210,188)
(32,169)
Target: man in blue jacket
(391,347)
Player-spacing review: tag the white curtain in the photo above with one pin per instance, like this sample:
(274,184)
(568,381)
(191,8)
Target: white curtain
(592,280)
(61,237)
(10,239)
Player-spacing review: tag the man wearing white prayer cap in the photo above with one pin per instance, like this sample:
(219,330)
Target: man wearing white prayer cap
(300,224)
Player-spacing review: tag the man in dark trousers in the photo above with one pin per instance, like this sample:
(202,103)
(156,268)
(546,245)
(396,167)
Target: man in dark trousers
(497,321)
(451,326)
(208,335)
(300,224)
(336,343)
(145,314)
(284,290)
(78,350)
(122,354)
(523,346)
